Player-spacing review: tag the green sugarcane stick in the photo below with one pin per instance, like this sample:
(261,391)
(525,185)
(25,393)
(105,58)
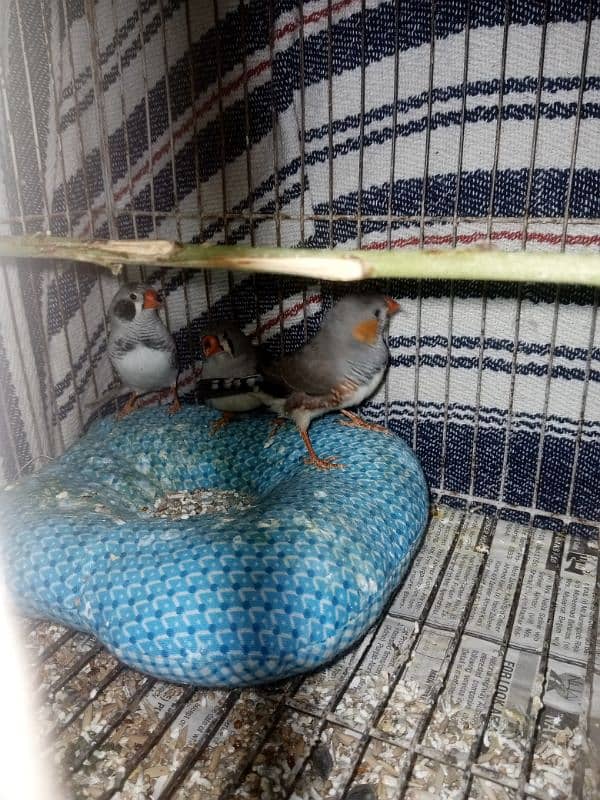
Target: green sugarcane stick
(474,263)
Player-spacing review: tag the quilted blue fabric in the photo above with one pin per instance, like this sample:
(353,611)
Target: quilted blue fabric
(220,599)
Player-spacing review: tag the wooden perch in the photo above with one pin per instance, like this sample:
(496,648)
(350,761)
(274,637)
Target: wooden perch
(474,263)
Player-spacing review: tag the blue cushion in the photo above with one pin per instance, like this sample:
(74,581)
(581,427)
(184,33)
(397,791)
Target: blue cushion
(227,599)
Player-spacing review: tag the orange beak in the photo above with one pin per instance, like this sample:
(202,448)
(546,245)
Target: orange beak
(392,305)
(151,299)
(211,346)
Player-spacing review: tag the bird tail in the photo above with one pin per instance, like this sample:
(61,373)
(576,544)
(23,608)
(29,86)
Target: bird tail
(222,387)
(205,389)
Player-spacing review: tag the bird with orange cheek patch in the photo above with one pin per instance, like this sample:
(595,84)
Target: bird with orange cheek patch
(229,357)
(141,349)
(342,366)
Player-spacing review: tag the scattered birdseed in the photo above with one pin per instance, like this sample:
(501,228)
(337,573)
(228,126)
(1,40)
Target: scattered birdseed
(381,773)
(371,684)
(488,790)
(453,729)
(591,773)
(189,727)
(280,759)
(231,748)
(433,779)
(104,768)
(318,689)
(71,700)
(99,716)
(362,697)
(506,742)
(556,756)
(343,746)
(186,504)
(56,665)
(362,791)
(406,709)
(42,638)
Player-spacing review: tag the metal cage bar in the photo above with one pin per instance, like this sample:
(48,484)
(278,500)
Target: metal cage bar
(242,216)
(328,219)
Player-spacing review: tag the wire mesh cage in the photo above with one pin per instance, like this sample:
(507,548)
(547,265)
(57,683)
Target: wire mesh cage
(326,126)
(352,124)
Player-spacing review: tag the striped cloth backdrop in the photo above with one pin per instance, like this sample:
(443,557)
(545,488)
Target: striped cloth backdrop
(347,123)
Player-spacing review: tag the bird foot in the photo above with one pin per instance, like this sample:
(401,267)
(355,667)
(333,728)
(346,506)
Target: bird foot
(354,421)
(313,459)
(223,420)
(175,406)
(275,426)
(330,462)
(129,406)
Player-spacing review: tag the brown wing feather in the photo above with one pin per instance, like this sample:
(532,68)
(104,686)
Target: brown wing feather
(311,378)
(316,370)
(333,399)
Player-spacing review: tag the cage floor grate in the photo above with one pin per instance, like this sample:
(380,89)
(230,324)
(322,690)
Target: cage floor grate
(482,681)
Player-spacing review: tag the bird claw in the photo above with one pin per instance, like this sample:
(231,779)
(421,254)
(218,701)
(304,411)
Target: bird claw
(275,425)
(223,420)
(354,421)
(127,409)
(175,406)
(367,426)
(330,462)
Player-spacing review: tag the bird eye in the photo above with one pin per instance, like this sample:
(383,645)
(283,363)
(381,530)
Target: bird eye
(377,313)
(133,297)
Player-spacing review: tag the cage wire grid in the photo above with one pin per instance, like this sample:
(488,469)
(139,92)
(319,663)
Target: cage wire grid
(117,212)
(164,120)
(382,722)
(108,218)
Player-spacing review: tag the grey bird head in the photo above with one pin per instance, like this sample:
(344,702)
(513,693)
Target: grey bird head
(358,320)
(133,301)
(226,351)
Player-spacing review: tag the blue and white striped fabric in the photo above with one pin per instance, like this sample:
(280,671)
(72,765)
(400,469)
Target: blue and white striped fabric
(489,134)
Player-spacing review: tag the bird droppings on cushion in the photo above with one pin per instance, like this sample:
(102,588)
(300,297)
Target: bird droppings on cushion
(231,597)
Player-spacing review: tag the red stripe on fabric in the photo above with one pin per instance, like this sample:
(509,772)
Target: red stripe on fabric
(471,238)
(289,312)
(226,90)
